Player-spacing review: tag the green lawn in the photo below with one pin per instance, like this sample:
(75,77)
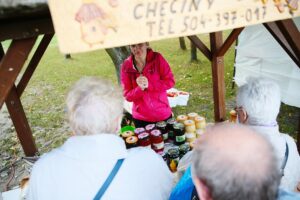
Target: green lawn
(44,97)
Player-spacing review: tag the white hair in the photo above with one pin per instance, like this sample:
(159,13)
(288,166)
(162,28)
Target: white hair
(260,97)
(94,106)
(236,163)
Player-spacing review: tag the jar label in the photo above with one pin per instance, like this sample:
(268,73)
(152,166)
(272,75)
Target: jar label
(157,146)
(165,136)
(180,138)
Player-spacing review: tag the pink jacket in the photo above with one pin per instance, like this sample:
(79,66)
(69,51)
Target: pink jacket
(152,104)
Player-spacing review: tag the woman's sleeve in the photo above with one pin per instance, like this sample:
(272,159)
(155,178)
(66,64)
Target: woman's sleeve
(167,80)
(130,92)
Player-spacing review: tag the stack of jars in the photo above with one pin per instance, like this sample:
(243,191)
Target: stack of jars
(130,139)
(194,126)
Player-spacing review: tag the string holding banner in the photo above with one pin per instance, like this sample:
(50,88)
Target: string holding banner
(86,25)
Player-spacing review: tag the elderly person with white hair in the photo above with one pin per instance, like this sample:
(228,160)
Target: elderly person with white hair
(94,163)
(234,162)
(258,104)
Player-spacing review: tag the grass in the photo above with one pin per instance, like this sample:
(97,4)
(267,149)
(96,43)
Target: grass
(43,100)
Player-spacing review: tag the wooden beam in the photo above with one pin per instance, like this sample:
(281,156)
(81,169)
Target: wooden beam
(201,46)
(217,64)
(291,34)
(229,41)
(12,63)
(20,122)
(21,29)
(286,38)
(33,63)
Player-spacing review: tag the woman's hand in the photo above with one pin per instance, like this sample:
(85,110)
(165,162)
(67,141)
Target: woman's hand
(142,82)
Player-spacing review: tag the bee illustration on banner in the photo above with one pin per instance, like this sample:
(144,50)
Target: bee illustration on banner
(281,4)
(96,22)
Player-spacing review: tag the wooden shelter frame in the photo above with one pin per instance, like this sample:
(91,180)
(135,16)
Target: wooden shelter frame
(24,32)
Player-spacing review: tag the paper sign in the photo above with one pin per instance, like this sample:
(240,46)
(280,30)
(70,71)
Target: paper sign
(85,25)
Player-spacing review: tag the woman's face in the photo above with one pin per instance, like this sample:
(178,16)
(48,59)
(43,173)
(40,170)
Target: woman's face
(139,50)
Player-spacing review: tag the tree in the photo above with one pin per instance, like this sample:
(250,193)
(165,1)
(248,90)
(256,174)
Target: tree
(118,55)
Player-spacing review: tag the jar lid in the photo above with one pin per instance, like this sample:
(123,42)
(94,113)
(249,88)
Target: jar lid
(173,152)
(156,132)
(178,126)
(131,140)
(184,147)
(161,124)
(143,135)
(189,122)
(192,115)
(199,119)
(139,130)
(127,134)
(171,121)
(150,127)
(181,117)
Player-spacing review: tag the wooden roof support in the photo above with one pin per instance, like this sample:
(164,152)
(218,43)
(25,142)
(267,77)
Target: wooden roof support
(12,63)
(229,41)
(217,64)
(20,122)
(33,63)
(287,35)
(201,46)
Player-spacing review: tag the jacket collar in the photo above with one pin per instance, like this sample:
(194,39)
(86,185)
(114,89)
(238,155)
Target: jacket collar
(149,59)
(94,147)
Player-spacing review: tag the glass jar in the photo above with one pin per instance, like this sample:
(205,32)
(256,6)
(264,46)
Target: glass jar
(170,129)
(179,134)
(183,149)
(189,126)
(200,122)
(173,155)
(157,141)
(127,134)
(138,131)
(131,142)
(150,127)
(162,126)
(144,140)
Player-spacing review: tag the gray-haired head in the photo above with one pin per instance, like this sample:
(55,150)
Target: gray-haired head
(260,98)
(233,162)
(94,106)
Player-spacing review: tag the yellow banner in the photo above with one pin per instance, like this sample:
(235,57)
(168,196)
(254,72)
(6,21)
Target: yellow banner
(85,25)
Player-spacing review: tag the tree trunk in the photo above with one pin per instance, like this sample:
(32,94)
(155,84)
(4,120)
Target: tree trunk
(193,52)
(182,43)
(118,55)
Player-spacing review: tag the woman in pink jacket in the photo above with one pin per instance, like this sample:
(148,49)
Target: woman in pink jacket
(145,77)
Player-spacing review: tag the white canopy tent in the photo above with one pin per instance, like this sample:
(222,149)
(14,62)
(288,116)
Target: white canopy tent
(259,54)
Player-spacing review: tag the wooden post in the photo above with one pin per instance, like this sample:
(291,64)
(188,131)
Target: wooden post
(193,52)
(12,63)
(217,64)
(20,122)
(182,43)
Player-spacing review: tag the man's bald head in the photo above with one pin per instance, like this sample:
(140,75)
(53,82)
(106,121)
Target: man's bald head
(236,163)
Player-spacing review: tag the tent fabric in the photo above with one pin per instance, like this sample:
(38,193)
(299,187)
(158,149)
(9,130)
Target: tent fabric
(259,54)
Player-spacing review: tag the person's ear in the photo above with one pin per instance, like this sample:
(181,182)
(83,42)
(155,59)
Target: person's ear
(242,115)
(202,189)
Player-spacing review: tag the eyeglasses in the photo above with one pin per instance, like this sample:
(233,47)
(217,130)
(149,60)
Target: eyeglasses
(240,108)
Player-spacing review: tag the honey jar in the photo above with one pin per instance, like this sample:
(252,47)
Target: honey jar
(189,126)
(200,122)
